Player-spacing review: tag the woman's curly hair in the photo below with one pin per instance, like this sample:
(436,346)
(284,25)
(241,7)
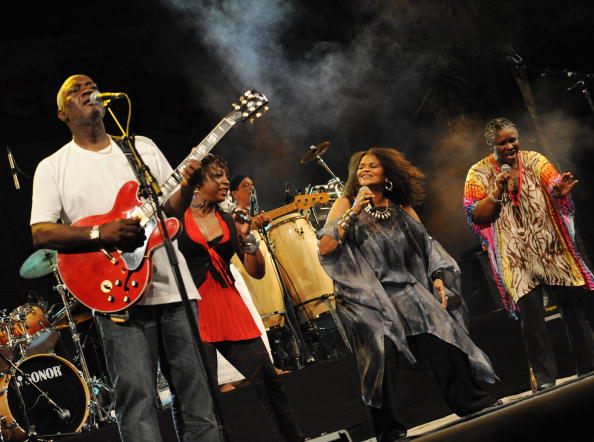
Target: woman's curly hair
(208,162)
(408,181)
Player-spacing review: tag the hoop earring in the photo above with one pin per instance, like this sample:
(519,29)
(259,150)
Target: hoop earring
(199,205)
(389,185)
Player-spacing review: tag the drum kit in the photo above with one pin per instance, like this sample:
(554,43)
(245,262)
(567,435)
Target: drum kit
(44,396)
(295,290)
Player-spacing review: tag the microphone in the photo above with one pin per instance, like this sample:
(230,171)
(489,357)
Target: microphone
(99,97)
(288,197)
(13,169)
(64,414)
(254,209)
(505,168)
(370,202)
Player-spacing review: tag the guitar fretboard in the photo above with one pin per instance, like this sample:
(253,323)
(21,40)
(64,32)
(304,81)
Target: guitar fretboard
(171,184)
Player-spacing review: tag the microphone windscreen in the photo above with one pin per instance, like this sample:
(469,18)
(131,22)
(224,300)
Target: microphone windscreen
(505,168)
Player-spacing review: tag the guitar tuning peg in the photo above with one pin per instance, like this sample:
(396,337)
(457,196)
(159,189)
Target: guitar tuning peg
(243,101)
(245,114)
(258,115)
(251,120)
(235,106)
(265,108)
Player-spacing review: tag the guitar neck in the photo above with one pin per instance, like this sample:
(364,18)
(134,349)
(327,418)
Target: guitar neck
(280,211)
(171,184)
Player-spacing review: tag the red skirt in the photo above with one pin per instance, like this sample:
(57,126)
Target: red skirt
(222,314)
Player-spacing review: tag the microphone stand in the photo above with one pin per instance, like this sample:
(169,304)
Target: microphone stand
(151,190)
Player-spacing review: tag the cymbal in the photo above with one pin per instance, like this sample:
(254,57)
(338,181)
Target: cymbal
(38,264)
(320,149)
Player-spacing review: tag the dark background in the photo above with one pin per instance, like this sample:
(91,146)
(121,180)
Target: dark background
(421,76)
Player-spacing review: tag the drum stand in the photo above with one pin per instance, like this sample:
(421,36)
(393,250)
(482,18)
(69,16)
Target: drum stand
(289,311)
(335,318)
(96,412)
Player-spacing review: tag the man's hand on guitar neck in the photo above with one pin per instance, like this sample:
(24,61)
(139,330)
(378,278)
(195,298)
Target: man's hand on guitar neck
(122,234)
(260,221)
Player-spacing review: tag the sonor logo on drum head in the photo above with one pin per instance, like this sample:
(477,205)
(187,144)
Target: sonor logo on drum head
(42,375)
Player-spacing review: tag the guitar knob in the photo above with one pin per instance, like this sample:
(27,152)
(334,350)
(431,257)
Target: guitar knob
(106,286)
(134,284)
(110,298)
(126,299)
(118,282)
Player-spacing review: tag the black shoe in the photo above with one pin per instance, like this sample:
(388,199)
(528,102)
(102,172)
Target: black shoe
(393,435)
(489,407)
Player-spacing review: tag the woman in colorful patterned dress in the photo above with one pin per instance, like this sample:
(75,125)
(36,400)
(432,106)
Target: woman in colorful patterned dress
(528,233)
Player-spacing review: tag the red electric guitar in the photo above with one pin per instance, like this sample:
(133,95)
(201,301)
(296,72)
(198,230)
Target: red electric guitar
(110,281)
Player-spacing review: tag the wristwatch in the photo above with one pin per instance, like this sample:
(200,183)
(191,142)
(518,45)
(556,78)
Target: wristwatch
(94,234)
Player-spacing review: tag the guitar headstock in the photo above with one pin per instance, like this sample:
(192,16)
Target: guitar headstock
(252,105)
(308,200)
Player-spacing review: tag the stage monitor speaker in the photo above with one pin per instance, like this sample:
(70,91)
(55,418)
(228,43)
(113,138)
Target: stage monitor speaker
(478,287)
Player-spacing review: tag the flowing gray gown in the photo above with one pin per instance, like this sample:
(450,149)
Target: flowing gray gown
(382,274)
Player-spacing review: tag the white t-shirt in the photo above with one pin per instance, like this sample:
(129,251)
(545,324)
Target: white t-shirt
(74,183)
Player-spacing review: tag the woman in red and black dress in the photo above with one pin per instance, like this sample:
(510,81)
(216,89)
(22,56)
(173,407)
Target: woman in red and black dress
(210,238)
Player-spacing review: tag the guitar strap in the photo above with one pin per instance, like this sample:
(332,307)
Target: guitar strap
(130,157)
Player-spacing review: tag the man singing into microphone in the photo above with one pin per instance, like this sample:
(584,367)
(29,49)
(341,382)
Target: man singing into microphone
(82,179)
(524,220)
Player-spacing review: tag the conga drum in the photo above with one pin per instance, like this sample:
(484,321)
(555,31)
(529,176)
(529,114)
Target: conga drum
(295,246)
(267,293)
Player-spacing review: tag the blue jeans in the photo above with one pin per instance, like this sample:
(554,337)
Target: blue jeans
(157,334)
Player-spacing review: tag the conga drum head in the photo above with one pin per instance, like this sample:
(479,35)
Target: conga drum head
(296,249)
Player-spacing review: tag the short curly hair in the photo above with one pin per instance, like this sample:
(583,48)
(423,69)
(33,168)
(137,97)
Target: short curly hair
(208,162)
(494,126)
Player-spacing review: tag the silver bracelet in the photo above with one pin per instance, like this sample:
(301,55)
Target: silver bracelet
(250,244)
(495,200)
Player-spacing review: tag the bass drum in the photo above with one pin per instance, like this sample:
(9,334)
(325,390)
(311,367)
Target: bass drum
(62,383)
(294,243)
(267,293)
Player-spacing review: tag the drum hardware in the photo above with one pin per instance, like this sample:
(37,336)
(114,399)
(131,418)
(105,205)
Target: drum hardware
(334,315)
(316,152)
(334,187)
(289,313)
(97,412)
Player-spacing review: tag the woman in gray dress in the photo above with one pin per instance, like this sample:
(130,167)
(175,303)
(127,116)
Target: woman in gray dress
(395,288)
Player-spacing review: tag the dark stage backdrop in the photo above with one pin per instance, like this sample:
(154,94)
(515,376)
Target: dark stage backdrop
(423,77)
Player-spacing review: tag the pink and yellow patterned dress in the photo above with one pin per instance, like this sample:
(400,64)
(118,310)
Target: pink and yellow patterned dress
(533,240)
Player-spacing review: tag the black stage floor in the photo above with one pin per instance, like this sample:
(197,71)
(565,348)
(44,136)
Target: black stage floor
(325,399)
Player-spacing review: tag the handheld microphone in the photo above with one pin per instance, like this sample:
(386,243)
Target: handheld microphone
(242,216)
(13,169)
(505,169)
(99,97)
(370,202)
